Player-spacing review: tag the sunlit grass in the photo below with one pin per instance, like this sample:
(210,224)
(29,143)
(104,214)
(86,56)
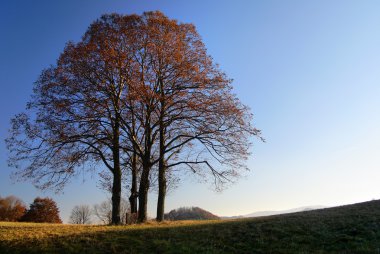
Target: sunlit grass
(12,231)
(349,229)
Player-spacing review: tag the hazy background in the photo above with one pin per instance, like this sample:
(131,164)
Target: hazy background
(309,70)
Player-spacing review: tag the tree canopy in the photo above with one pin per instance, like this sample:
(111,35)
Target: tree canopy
(42,210)
(141,96)
(11,208)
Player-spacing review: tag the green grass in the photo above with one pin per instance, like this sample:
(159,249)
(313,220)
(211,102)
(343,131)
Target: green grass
(346,229)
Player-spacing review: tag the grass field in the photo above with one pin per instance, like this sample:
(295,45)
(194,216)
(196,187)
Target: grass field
(346,229)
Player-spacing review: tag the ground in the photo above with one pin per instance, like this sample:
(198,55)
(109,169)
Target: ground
(347,229)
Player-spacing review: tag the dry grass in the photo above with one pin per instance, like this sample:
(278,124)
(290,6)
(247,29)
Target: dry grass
(16,231)
(348,229)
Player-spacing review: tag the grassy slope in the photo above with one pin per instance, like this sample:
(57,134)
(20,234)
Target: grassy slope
(347,229)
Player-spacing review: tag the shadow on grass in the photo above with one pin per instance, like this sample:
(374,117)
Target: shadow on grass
(347,229)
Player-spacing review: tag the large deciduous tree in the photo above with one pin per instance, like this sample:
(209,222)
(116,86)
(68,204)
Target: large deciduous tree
(138,92)
(198,121)
(73,120)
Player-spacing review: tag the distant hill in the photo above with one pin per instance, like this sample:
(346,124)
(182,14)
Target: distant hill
(190,213)
(269,213)
(294,210)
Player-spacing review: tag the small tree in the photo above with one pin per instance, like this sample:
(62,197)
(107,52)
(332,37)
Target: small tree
(81,215)
(42,210)
(11,208)
(103,211)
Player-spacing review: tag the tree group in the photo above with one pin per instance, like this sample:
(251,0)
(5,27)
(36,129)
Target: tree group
(11,208)
(139,95)
(41,210)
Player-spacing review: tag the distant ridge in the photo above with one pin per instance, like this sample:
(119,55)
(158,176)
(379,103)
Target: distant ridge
(269,213)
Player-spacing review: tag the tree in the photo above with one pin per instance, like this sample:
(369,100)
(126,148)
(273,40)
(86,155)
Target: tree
(73,120)
(11,208)
(136,94)
(42,210)
(190,115)
(81,215)
(103,211)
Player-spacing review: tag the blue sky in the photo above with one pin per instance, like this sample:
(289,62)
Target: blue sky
(309,70)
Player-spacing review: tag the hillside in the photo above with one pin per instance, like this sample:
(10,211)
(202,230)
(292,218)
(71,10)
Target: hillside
(190,213)
(347,229)
(270,213)
(294,210)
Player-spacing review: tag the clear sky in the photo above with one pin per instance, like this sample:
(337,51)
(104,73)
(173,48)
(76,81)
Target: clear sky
(310,71)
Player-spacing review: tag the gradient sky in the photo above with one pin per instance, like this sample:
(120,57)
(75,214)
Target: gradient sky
(309,70)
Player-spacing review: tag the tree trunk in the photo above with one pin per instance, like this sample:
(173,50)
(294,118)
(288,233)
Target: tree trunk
(146,166)
(116,196)
(143,193)
(134,194)
(116,187)
(161,191)
(134,169)
(162,163)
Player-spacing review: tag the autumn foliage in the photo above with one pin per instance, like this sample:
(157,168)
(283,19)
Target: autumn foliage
(140,95)
(11,208)
(42,210)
